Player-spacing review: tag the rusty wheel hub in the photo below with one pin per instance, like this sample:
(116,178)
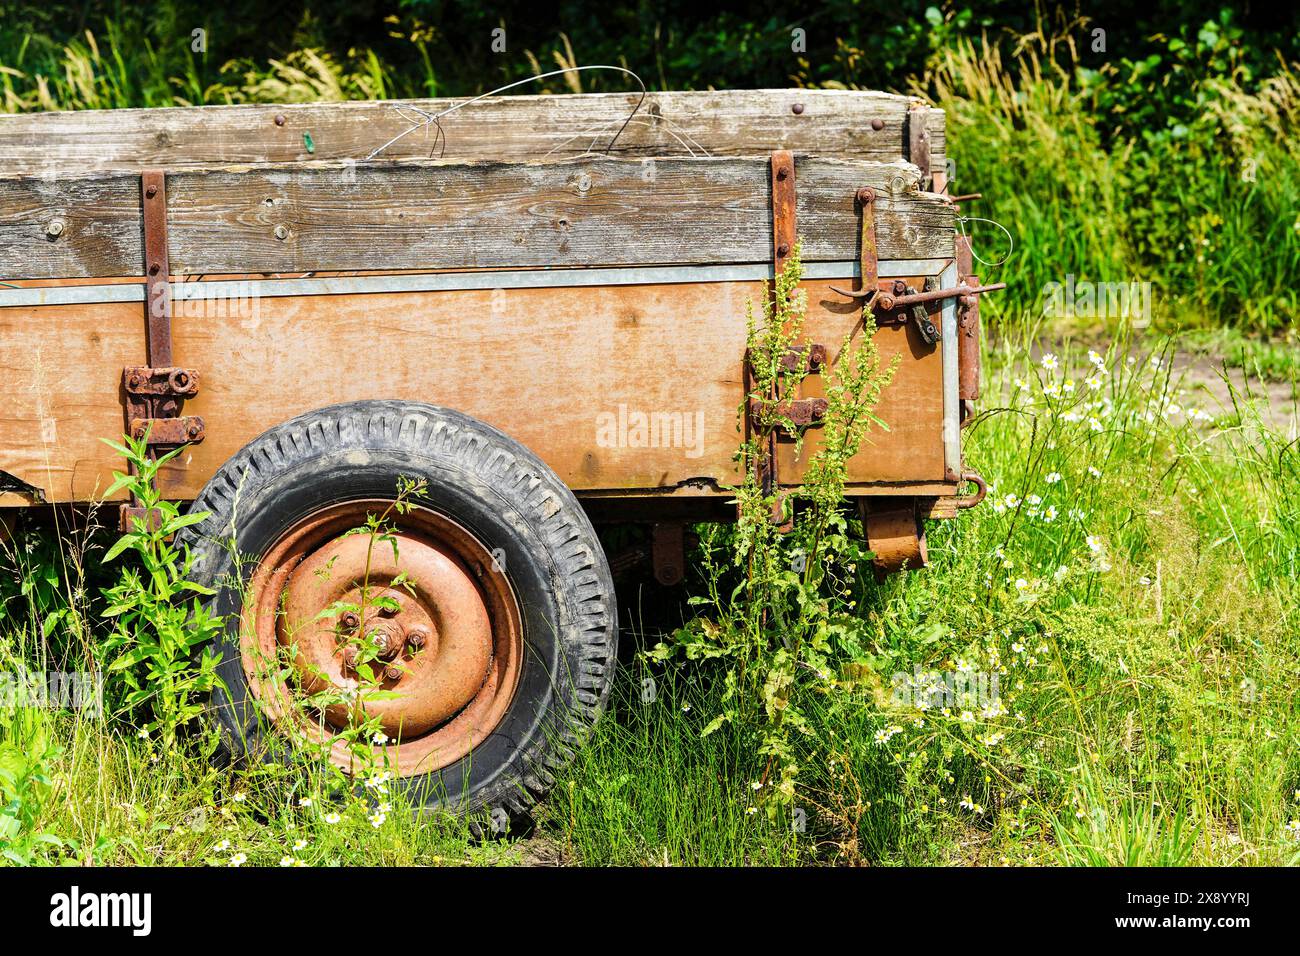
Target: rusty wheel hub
(417,629)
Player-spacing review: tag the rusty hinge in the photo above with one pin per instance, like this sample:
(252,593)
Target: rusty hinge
(811,358)
(168,431)
(154,393)
(799,412)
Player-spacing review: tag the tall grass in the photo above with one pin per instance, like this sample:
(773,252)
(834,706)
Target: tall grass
(1206,212)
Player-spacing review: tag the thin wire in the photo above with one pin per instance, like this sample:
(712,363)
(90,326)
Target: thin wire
(433,118)
(1011,242)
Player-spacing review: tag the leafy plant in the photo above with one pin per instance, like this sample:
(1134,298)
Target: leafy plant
(783,629)
(160,643)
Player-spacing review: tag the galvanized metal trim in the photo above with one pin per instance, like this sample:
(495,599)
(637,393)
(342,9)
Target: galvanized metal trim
(951,402)
(451,281)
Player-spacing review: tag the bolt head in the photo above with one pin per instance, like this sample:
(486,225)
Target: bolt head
(279,119)
(796,109)
(282,232)
(392,673)
(349,620)
(54,228)
(416,638)
(877,124)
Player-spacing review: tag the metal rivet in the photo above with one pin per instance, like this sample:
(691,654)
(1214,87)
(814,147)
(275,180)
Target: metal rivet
(282,232)
(783,249)
(877,124)
(797,109)
(151,191)
(783,173)
(54,228)
(279,119)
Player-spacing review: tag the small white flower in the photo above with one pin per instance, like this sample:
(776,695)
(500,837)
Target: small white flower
(299,845)
(1095,544)
(1095,424)
(1012,501)
(331,818)
(377,820)
(1050,513)
(1021,584)
(1053,478)
(239,859)
(304,801)
(1094,471)
(1049,361)
(288,861)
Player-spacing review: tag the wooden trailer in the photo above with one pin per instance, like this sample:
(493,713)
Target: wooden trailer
(536,304)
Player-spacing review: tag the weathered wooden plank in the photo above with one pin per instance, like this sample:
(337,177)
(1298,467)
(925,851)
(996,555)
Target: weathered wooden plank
(563,371)
(830,122)
(438,215)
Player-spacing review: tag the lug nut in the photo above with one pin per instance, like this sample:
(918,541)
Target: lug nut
(388,611)
(350,621)
(392,673)
(417,638)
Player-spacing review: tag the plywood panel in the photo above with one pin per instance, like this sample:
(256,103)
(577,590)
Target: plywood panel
(564,371)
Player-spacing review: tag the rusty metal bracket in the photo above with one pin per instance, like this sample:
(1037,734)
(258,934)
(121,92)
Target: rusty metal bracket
(170,381)
(168,431)
(968,328)
(155,392)
(868,259)
(801,412)
(811,358)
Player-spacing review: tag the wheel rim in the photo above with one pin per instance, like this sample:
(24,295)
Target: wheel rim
(450,655)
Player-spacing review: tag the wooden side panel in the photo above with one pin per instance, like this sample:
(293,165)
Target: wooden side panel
(62,368)
(628,387)
(748,122)
(457,216)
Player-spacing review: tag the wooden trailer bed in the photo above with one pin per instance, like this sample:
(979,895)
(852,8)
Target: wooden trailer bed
(536,298)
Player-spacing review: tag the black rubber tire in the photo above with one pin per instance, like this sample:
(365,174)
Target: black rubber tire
(492,486)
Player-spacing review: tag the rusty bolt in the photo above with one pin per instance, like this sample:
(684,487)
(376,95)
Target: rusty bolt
(151,191)
(154,269)
(783,173)
(350,657)
(392,673)
(193,430)
(349,620)
(900,287)
(282,232)
(797,109)
(388,611)
(783,249)
(866,195)
(417,638)
(279,119)
(135,380)
(877,124)
(54,229)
